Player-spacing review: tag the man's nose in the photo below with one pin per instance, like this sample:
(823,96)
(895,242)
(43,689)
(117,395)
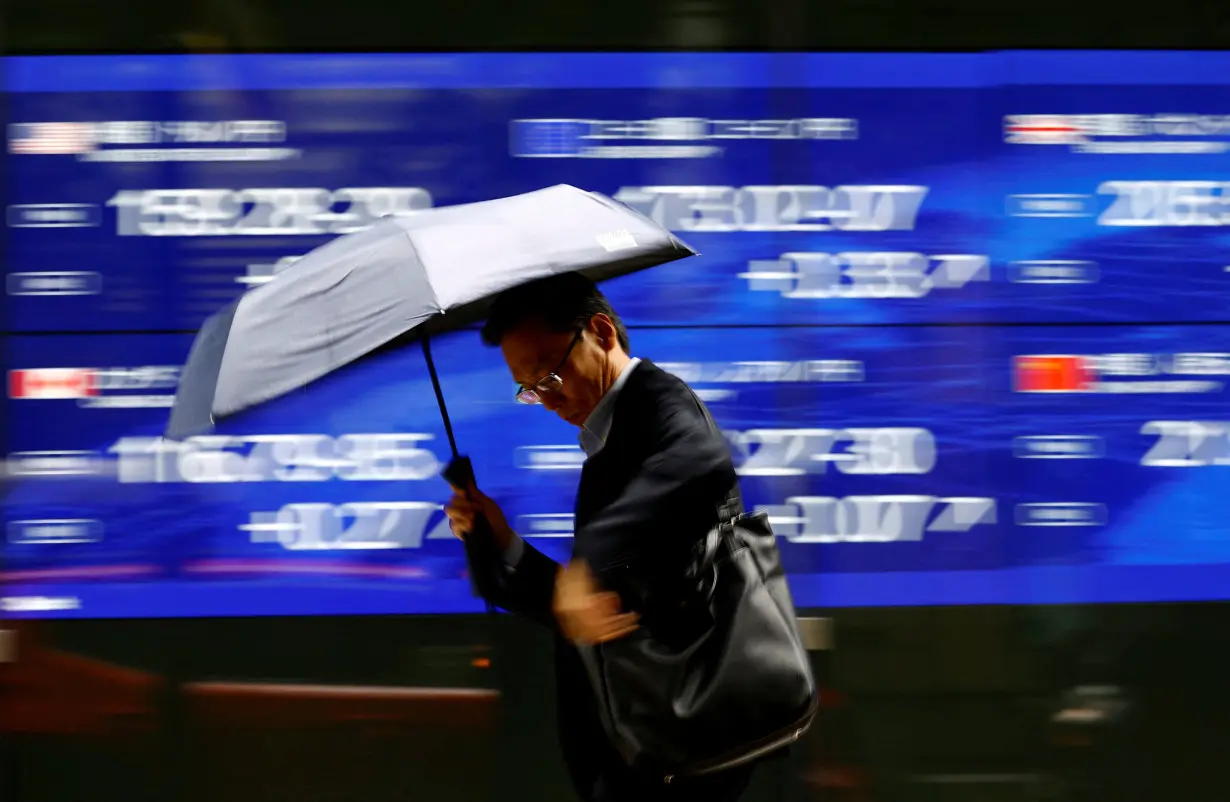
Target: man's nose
(550,401)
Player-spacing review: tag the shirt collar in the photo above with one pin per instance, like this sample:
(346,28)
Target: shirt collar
(598,425)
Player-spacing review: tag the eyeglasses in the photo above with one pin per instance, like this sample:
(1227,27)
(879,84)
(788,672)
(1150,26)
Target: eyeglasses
(551,383)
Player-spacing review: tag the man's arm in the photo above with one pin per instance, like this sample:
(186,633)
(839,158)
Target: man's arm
(688,470)
(528,584)
(524,580)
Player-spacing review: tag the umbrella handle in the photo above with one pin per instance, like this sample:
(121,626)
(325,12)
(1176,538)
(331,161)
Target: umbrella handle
(459,473)
(482,553)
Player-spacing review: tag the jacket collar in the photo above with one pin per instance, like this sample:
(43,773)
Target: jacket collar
(597,426)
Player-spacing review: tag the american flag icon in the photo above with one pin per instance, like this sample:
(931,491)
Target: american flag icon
(51,139)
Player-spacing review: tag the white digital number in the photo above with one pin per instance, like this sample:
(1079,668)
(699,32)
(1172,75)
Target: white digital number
(855,451)
(354,526)
(275,211)
(876,519)
(1165,203)
(385,458)
(276,458)
(886,274)
(1186,444)
(141,460)
(778,208)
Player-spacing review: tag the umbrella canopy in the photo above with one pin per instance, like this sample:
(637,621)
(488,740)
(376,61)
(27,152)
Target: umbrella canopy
(404,277)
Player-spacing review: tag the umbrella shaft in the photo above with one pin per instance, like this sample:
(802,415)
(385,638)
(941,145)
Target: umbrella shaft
(435,385)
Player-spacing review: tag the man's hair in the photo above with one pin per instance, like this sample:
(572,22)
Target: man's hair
(563,303)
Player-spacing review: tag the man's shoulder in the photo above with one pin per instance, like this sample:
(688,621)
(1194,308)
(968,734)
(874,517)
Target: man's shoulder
(653,393)
(648,383)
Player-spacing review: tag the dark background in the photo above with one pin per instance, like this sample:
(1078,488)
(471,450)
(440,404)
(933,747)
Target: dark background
(136,26)
(947,704)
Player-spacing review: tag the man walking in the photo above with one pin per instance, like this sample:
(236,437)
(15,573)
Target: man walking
(655,472)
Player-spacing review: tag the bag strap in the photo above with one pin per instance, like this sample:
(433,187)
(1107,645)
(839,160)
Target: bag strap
(730,508)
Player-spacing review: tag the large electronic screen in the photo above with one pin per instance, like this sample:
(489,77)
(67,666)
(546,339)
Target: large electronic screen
(954,312)
(900,465)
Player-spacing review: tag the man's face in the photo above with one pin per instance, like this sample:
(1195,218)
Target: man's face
(533,352)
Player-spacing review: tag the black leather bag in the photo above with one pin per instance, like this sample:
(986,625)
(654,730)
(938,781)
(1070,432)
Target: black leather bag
(721,680)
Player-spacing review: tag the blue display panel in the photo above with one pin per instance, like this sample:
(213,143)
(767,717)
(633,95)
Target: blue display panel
(1117,203)
(839,202)
(326,502)
(144,192)
(786,193)
(899,465)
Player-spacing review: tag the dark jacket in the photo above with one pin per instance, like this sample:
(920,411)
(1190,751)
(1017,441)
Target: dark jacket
(644,501)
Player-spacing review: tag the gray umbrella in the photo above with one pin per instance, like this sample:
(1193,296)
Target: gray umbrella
(402,279)
(407,278)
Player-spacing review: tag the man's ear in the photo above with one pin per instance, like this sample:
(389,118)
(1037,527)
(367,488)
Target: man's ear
(604,331)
